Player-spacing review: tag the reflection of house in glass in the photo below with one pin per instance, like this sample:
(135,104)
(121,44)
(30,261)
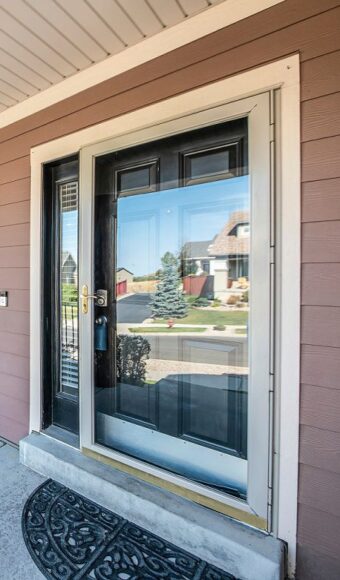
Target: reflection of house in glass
(68,268)
(223,260)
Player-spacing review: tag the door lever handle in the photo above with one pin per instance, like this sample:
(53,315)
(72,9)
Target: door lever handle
(100,298)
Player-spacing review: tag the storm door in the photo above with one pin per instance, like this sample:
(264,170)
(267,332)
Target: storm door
(172,244)
(175,301)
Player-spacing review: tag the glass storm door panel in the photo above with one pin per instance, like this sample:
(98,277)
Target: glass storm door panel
(173,222)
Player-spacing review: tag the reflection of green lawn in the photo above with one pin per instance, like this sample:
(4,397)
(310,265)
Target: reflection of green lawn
(198,316)
(146,329)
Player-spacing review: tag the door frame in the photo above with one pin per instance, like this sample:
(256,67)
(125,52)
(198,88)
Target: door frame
(283,75)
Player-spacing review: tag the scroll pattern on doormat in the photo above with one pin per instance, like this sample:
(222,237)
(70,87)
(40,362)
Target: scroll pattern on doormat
(70,537)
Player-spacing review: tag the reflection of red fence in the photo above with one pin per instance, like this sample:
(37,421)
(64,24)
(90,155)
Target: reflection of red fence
(198,285)
(121,288)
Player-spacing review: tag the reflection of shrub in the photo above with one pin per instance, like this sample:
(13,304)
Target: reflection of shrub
(245,296)
(233,299)
(132,354)
(201,302)
(190,298)
(219,327)
(217,302)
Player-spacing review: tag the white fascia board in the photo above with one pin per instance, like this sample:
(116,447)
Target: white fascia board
(211,20)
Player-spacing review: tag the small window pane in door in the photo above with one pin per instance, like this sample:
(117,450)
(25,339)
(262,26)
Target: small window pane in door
(215,163)
(137,179)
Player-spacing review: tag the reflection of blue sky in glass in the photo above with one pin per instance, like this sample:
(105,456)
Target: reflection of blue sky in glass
(151,224)
(69,229)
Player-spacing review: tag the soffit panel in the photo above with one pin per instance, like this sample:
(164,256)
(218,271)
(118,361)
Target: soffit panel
(44,42)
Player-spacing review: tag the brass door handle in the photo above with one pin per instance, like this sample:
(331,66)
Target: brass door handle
(100,297)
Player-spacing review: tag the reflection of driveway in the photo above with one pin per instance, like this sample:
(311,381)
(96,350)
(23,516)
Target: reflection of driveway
(134,309)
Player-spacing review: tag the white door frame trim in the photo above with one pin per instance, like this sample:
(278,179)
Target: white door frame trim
(283,74)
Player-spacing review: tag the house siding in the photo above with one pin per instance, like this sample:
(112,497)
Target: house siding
(311,28)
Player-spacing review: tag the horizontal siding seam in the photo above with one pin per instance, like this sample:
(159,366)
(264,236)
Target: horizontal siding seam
(308,505)
(322,138)
(16,246)
(304,101)
(14,202)
(13,420)
(315,427)
(19,178)
(16,224)
(24,401)
(4,183)
(22,356)
(302,384)
(16,333)
(303,305)
(324,430)
(323,54)
(320,179)
(319,263)
(23,378)
(323,221)
(14,159)
(14,267)
(320,469)
(24,245)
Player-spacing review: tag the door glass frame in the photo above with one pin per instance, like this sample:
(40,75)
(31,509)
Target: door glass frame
(257,109)
(60,408)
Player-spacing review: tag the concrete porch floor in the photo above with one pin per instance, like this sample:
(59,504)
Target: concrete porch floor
(16,483)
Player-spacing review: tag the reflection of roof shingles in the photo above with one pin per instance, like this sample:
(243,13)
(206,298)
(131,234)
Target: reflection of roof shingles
(225,244)
(65,256)
(193,250)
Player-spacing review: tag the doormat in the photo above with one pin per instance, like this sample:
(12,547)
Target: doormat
(70,537)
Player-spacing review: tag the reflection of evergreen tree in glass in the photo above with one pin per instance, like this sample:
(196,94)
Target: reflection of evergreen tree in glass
(168,300)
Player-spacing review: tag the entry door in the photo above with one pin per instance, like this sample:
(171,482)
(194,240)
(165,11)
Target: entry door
(172,235)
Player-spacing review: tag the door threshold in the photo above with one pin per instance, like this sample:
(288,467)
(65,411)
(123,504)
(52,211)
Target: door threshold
(62,435)
(209,535)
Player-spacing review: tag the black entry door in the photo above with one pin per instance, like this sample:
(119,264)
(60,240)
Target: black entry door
(60,295)
(167,385)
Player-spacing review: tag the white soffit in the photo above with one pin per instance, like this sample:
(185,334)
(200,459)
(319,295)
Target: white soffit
(53,49)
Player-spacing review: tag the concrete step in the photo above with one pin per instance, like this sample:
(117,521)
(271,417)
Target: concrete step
(230,545)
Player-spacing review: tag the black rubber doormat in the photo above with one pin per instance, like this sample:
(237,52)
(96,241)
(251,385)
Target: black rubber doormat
(70,537)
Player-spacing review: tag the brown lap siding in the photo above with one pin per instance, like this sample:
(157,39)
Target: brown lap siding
(312,29)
